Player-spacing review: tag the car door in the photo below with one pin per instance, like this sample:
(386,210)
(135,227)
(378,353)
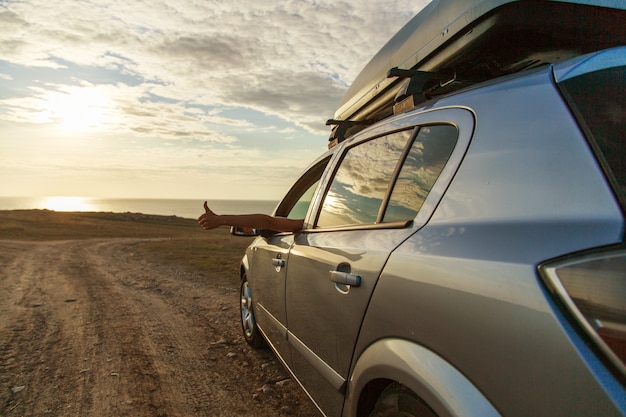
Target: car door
(268,257)
(371,204)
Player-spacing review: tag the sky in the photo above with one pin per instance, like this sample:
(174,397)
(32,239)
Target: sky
(198,99)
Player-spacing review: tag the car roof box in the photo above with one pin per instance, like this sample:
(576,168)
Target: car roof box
(451,44)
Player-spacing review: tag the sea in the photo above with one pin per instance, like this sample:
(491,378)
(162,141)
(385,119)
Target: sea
(185,208)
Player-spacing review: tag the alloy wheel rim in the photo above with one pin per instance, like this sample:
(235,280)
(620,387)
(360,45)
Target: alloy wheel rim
(247,318)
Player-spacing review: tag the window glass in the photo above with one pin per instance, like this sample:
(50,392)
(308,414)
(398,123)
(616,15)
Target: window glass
(300,209)
(362,180)
(429,153)
(297,201)
(600,102)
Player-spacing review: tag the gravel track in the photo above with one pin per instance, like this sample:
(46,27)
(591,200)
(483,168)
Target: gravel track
(89,328)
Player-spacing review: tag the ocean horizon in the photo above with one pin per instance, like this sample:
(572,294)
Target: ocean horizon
(185,208)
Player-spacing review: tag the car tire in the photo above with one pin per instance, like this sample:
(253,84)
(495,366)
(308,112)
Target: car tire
(251,332)
(398,401)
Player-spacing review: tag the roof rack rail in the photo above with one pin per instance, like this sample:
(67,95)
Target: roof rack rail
(474,41)
(417,86)
(338,133)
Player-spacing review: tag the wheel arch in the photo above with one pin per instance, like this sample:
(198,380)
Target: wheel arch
(243,266)
(437,383)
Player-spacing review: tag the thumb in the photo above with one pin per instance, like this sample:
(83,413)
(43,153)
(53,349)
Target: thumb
(206,207)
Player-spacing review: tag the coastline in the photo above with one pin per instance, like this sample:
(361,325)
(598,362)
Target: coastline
(37,224)
(185,208)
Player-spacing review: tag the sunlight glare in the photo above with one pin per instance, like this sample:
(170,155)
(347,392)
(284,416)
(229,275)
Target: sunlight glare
(67,204)
(80,109)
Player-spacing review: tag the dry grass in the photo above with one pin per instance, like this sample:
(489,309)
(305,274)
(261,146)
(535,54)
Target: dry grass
(51,225)
(185,245)
(218,254)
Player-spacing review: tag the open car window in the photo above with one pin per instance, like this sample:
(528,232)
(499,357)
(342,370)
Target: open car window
(299,210)
(296,203)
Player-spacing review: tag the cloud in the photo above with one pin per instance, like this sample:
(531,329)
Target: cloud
(181,85)
(293,59)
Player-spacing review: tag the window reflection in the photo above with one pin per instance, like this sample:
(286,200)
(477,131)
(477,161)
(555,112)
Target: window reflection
(362,180)
(430,152)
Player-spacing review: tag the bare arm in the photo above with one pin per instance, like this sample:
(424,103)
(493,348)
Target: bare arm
(210,220)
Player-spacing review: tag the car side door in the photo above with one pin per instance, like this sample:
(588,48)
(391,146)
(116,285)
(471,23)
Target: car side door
(376,198)
(268,257)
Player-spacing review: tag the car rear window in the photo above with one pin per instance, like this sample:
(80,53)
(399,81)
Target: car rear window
(599,103)
(387,179)
(429,153)
(361,182)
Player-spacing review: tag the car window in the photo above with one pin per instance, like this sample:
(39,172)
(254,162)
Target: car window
(297,201)
(301,207)
(429,153)
(599,104)
(361,182)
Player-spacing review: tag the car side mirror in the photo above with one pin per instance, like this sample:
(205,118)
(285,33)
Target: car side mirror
(244,231)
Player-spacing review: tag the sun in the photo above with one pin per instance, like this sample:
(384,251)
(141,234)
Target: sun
(80,109)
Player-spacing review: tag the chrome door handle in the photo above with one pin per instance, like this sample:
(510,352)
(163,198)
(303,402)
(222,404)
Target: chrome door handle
(277,262)
(345,278)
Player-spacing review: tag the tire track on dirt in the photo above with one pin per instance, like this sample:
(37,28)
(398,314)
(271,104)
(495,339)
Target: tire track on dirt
(156,339)
(39,349)
(90,329)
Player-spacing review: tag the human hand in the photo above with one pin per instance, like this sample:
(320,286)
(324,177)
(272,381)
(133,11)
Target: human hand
(209,220)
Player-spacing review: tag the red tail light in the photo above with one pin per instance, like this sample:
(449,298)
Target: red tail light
(592,288)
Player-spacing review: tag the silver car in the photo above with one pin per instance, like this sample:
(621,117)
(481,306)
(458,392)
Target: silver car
(464,257)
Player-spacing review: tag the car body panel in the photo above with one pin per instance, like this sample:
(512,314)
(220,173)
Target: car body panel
(486,321)
(473,288)
(362,252)
(451,305)
(448,392)
(268,281)
(597,61)
(536,162)
(330,329)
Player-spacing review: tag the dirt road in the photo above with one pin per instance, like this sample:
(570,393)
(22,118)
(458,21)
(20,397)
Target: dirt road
(90,328)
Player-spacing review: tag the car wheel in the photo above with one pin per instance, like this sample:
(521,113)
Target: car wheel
(398,401)
(248,322)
